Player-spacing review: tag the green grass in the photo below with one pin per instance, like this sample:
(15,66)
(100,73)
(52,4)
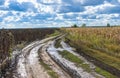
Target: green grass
(69,56)
(86,67)
(57,44)
(112,61)
(54,34)
(104,73)
(49,70)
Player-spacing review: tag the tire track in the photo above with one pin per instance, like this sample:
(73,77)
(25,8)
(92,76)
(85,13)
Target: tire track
(47,60)
(28,65)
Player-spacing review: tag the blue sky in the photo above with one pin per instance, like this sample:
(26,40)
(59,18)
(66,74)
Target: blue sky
(58,13)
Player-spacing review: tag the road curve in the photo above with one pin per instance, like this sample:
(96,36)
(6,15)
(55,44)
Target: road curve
(48,60)
(28,65)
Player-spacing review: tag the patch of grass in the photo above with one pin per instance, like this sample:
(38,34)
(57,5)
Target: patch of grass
(57,44)
(112,61)
(21,45)
(104,73)
(49,70)
(69,56)
(86,67)
(53,74)
(54,34)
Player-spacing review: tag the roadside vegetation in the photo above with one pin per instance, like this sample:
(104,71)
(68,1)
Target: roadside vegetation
(80,63)
(49,70)
(57,44)
(104,73)
(56,32)
(102,44)
(69,56)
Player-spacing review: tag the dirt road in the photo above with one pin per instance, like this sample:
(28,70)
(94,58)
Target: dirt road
(29,61)
(29,66)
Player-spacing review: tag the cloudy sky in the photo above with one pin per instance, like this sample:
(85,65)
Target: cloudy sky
(58,13)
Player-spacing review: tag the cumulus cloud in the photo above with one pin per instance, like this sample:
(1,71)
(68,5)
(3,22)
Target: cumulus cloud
(70,6)
(39,13)
(99,8)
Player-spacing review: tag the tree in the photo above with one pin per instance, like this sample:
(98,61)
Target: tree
(83,25)
(108,25)
(74,26)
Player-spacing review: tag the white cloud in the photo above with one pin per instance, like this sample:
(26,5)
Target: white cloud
(41,7)
(2,13)
(32,1)
(6,3)
(11,19)
(46,9)
(17,16)
(27,14)
(94,9)
(59,17)
(107,16)
(8,19)
(4,25)
(79,18)
(52,1)
(50,9)
(119,1)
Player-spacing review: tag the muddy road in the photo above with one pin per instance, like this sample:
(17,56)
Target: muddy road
(28,61)
(28,65)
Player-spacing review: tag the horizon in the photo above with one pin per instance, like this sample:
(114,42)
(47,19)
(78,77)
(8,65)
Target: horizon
(15,14)
(61,27)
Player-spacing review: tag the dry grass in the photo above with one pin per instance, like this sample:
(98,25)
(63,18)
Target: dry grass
(101,43)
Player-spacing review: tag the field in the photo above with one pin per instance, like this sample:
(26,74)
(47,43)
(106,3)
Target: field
(102,44)
(60,53)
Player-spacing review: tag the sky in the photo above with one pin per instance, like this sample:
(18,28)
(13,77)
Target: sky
(58,13)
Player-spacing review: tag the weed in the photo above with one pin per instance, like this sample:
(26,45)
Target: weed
(49,70)
(104,73)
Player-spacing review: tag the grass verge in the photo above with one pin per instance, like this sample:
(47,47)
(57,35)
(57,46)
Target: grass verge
(57,44)
(54,34)
(49,70)
(104,73)
(69,56)
(98,43)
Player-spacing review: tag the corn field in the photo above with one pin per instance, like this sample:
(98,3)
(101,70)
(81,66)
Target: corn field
(101,43)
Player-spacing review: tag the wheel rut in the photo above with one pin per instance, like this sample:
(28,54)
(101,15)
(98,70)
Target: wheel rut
(29,66)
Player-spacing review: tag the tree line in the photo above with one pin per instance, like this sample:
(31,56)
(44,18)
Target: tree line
(29,35)
(84,25)
(10,38)
(16,36)
(6,44)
